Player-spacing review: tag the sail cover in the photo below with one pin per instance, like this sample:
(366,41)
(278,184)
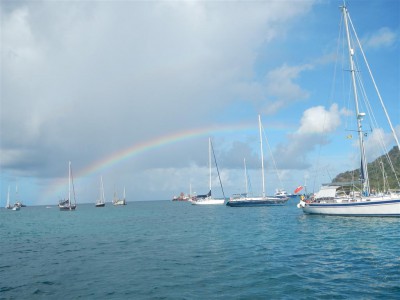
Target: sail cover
(204,196)
(327,192)
(362,175)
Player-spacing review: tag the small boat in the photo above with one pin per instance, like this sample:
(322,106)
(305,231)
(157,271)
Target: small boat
(184,197)
(241,200)
(281,194)
(117,201)
(357,198)
(207,199)
(65,204)
(181,197)
(16,207)
(101,202)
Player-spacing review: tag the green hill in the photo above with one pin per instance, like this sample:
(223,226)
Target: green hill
(375,172)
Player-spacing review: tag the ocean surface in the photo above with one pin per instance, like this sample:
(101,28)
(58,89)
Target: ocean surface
(174,250)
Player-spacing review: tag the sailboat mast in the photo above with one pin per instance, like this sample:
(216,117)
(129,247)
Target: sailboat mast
(8,198)
(209,160)
(103,200)
(69,184)
(262,157)
(245,176)
(364,168)
(16,193)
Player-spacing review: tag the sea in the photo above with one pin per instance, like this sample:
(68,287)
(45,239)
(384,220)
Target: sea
(175,250)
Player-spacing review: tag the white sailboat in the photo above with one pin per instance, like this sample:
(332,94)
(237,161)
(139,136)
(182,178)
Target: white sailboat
(263,200)
(117,201)
(333,199)
(66,204)
(207,199)
(8,206)
(101,201)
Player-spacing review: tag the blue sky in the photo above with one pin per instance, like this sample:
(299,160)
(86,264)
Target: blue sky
(83,80)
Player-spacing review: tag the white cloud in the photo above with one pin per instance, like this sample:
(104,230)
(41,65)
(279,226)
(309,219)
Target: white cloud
(316,125)
(277,90)
(319,120)
(384,37)
(281,88)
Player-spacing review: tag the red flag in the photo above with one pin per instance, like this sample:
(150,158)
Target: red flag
(298,189)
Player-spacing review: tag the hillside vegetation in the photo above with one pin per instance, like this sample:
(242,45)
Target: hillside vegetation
(376,172)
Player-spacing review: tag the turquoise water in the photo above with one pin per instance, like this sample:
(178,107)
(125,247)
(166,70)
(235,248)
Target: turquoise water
(174,250)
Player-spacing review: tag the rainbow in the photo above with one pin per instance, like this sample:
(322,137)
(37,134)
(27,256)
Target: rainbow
(144,146)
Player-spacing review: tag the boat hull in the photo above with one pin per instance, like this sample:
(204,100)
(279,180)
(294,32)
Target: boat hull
(373,208)
(100,204)
(208,202)
(65,208)
(257,202)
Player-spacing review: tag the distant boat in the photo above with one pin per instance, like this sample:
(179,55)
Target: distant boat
(16,207)
(117,201)
(350,200)
(101,202)
(66,204)
(240,200)
(181,197)
(18,204)
(8,206)
(184,197)
(207,199)
(281,193)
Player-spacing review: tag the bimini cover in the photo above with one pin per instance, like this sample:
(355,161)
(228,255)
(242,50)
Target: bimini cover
(327,192)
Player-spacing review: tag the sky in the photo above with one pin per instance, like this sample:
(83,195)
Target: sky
(132,90)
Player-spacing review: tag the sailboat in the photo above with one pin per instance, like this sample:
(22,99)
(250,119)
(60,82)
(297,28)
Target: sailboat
(66,204)
(207,199)
(17,204)
(8,206)
(117,201)
(101,202)
(335,199)
(263,200)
